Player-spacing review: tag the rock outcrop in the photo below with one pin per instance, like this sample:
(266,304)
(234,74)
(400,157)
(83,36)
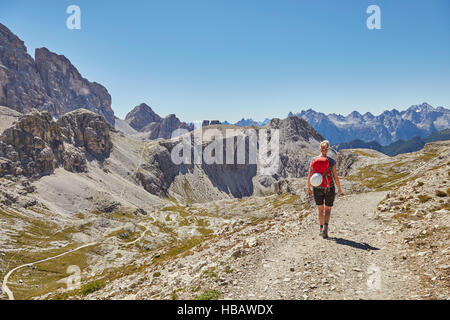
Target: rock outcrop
(33,146)
(143,119)
(37,144)
(88,130)
(50,82)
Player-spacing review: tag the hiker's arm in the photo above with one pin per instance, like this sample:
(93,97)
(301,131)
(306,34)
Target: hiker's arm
(336,178)
(309,182)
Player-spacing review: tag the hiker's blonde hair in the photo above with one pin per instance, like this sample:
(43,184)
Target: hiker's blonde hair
(325,144)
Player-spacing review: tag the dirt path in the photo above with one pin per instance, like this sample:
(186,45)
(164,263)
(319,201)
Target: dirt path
(5,279)
(10,294)
(356,262)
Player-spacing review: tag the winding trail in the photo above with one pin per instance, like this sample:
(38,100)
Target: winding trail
(5,279)
(9,293)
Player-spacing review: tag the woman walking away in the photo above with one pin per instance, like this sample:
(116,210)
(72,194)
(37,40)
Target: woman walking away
(325,192)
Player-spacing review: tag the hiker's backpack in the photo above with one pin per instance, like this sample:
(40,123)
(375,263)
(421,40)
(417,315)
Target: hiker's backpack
(322,165)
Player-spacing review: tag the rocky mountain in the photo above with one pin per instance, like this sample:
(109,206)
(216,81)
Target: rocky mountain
(35,145)
(49,82)
(390,126)
(143,119)
(397,147)
(250,122)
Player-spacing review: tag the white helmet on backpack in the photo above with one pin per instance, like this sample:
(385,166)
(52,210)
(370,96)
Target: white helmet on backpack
(316,179)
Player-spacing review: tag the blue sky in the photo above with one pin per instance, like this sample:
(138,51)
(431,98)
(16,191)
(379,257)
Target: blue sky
(227,59)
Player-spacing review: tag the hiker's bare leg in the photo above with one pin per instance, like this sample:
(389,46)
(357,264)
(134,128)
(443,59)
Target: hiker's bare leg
(321,214)
(327,216)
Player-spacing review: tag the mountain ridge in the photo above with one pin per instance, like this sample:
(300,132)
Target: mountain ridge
(48,82)
(390,126)
(397,147)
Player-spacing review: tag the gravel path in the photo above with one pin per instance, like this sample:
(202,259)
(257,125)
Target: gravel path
(356,262)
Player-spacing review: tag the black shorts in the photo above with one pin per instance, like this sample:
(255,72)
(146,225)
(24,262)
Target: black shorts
(327,195)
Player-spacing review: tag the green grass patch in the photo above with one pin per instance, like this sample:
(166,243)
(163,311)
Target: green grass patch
(165,228)
(183,211)
(365,154)
(91,287)
(209,295)
(285,199)
(204,231)
(379,179)
(181,247)
(427,156)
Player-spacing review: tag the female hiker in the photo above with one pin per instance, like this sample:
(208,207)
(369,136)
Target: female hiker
(325,193)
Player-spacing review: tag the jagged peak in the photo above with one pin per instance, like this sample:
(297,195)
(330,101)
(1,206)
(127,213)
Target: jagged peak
(354,114)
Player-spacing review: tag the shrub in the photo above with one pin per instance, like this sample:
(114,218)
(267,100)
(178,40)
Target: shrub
(419,183)
(157,274)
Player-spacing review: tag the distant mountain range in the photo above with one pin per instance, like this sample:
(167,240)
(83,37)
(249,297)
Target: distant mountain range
(390,126)
(398,147)
(243,122)
(250,122)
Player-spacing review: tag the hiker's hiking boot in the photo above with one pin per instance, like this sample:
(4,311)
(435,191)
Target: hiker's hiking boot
(324,233)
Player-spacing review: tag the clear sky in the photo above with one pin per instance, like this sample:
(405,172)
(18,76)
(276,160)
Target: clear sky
(228,59)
